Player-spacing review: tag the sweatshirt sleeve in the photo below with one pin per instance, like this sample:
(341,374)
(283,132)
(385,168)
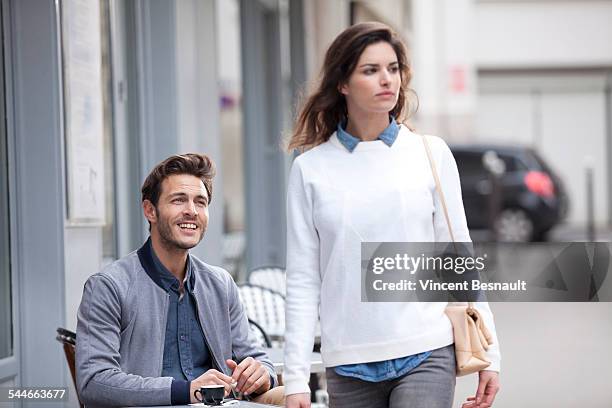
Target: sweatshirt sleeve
(451,187)
(303,283)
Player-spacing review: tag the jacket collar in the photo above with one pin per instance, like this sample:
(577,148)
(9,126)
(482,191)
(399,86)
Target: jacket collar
(146,257)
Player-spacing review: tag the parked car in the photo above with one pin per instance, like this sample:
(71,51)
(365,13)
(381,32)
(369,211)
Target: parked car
(533,199)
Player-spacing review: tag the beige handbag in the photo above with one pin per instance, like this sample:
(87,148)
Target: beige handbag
(472,339)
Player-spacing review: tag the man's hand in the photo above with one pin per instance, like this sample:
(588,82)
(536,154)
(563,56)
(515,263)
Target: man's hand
(298,400)
(250,375)
(211,377)
(488,386)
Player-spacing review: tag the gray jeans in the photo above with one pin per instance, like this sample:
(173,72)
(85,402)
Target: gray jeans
(429,385)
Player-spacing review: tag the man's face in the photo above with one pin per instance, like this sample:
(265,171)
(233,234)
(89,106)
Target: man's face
(181,216)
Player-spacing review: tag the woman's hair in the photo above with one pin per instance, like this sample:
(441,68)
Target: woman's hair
(326,107)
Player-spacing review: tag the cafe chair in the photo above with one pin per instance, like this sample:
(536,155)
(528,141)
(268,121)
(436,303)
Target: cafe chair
(68,340)
(262,338)
(266,307)
(271,277)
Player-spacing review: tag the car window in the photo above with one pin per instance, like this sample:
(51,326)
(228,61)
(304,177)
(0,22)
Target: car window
(513,163)
(469,164)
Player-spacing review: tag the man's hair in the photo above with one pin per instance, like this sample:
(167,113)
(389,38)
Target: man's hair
(199,165)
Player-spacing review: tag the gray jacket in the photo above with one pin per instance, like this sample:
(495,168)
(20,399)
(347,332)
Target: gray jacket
(121,331)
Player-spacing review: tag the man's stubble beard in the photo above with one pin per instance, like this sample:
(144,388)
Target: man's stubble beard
(166,239)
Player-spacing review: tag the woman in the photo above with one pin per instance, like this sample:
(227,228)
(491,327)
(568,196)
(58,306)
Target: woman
(364,176)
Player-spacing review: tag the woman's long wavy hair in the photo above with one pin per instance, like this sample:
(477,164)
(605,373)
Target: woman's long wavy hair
(326,107)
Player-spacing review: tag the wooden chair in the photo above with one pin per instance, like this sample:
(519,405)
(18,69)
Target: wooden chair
(68,340)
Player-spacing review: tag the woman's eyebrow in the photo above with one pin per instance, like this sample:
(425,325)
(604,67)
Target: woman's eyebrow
(375,65)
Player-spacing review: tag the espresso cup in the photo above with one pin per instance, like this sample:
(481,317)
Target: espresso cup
(210,394)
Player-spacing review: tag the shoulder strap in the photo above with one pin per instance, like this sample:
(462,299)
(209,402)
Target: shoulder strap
(434,171)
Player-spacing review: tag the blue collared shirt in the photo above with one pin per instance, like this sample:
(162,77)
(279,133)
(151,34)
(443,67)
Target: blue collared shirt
(186,355)
(349,141)
(389,369)
(382,370)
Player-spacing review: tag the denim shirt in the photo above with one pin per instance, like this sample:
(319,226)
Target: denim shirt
(186,354)
(349,141)
(388,369)
(382,370)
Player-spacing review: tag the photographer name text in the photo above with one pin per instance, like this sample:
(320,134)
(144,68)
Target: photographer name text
(431,285)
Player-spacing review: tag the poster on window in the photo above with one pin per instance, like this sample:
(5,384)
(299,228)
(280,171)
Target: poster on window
(83,104)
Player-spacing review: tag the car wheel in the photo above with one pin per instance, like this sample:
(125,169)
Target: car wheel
(514,225)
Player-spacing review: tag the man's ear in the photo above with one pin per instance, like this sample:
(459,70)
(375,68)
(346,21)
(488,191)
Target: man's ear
(149,211)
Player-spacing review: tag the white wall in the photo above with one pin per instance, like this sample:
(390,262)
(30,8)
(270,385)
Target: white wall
(229,60)
(573,135)
(427,58)
(392,12)
(228,38)
(83,257)
(543,33)
(444,71)
(327,20)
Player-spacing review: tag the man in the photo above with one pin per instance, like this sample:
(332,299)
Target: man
(158,324)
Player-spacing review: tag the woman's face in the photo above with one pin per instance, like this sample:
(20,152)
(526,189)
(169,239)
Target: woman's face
(374,85)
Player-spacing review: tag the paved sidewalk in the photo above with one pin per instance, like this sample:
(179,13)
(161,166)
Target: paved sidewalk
(570,233)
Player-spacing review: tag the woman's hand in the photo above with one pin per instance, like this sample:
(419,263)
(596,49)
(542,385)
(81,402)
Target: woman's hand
(488,386)
(298,400)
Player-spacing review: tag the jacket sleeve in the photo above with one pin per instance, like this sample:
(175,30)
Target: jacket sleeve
(243,342)
(451,187)
(100,380)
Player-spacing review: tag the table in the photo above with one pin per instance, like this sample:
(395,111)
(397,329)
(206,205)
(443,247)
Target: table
(277,358)
(239,404)
(276,355)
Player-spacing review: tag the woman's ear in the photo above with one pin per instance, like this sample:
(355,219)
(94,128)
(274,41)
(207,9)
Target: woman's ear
(343,89)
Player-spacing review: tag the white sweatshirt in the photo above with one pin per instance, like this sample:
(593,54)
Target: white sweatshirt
(336,200)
